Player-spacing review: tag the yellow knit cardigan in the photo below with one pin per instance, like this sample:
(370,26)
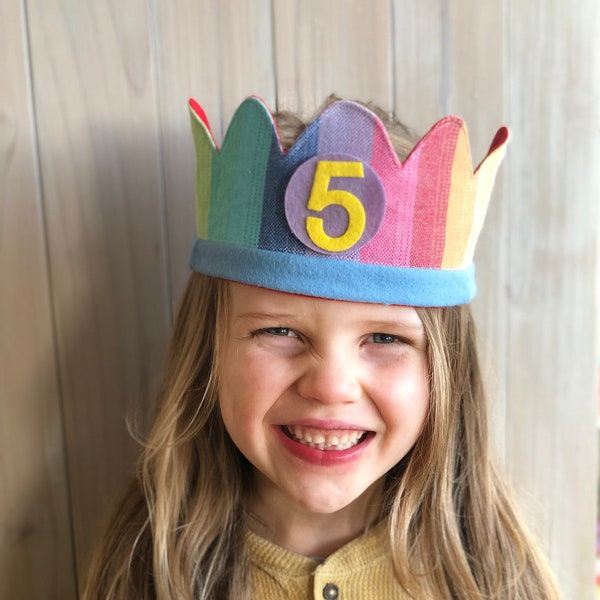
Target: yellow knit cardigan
(360,570)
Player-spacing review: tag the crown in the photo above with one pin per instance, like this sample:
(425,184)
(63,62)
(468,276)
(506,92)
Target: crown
(338,215)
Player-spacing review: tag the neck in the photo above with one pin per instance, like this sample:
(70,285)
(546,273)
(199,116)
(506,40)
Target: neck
(312,534)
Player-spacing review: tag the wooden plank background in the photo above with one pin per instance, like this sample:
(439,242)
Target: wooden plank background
(96,221)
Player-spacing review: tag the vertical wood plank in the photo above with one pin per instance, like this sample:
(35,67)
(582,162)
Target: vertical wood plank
(246,53)
(332,46)
(553,61)
(474,72)
(218,53)
(35,535)
(420,62)
(94,100)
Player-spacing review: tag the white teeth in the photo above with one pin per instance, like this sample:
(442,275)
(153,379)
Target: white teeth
(341,440)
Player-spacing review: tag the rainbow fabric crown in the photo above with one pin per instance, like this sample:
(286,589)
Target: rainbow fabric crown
(338,215)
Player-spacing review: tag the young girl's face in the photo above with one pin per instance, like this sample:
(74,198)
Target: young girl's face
(323,397)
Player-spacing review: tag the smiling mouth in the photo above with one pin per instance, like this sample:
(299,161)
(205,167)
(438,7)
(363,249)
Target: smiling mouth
(339,439)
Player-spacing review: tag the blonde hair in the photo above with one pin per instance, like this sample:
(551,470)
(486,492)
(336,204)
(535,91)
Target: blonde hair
(453,530)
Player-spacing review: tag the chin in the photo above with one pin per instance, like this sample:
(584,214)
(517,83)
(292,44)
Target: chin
(329,502)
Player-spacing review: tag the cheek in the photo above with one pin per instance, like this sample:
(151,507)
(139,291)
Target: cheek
(246,385)
(231,386)
(239,414)
(406,404)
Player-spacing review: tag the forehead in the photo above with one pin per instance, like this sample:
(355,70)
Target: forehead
(250,301)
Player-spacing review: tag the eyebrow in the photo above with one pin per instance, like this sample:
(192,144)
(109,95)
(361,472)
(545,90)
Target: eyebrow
(385,323)
(266,315)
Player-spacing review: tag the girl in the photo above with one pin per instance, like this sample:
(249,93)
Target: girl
(321,430)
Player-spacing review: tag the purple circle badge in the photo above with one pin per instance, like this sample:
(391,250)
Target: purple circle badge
(334,203)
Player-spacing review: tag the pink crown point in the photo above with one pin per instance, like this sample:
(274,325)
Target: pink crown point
(435,201)
(440,201)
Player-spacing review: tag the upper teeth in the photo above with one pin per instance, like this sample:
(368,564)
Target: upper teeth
(326,440)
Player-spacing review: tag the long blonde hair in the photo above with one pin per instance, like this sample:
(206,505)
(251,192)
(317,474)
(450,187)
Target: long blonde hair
(177,531)
(453,530)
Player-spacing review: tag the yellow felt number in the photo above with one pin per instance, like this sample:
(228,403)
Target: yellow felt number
(321,197)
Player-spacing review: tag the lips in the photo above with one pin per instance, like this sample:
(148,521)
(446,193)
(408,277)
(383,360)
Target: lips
(331,445)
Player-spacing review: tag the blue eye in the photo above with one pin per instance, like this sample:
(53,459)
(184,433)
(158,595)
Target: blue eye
(278,331)
(384,338)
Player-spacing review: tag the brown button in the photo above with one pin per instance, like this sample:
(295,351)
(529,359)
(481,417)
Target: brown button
(331,591)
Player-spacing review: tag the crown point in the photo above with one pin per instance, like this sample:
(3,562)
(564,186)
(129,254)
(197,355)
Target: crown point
(199,112)
(500,139)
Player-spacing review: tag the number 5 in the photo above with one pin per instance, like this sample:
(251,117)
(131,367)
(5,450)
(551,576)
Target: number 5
(321,197)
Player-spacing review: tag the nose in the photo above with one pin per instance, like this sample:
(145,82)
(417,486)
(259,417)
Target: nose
(330,380)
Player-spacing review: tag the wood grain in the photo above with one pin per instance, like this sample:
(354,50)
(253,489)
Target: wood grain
(34,509)
(97,121)
(332,46)
(553,106)
(420,65)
